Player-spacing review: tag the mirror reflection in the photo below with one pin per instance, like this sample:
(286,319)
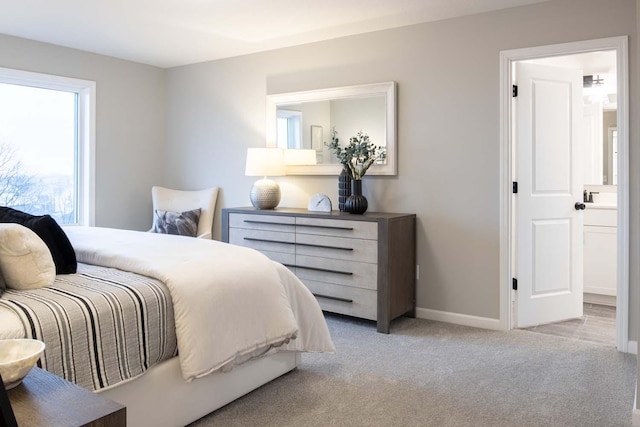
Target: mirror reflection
(309,119)
(310,125)
(610,163)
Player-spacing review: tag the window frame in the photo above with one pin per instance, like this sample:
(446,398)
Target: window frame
(85,161)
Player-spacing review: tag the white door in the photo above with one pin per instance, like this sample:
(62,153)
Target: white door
(548,110)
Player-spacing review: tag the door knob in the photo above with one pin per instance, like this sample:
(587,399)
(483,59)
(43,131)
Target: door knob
(580,206)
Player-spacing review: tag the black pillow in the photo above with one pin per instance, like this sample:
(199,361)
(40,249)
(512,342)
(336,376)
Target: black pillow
(50,232)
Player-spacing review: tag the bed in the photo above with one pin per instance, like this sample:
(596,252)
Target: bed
(210,322)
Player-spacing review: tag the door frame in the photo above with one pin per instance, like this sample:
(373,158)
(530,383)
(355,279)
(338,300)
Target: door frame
(507,228)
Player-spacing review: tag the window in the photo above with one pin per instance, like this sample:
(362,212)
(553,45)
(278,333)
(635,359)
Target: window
(47,142)
(289,129)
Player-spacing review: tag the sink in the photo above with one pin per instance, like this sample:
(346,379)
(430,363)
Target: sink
(602,200)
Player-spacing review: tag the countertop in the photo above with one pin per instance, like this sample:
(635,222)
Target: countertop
(601,206)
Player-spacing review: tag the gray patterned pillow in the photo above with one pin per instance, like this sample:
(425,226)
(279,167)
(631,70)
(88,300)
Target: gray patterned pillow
(180,223)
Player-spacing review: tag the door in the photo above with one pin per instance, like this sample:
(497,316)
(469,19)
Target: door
(548,111)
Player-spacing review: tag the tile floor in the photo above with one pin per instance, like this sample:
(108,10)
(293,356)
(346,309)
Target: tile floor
(598,325)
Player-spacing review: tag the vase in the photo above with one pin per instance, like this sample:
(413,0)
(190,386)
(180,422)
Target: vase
(344,188)
(356,203)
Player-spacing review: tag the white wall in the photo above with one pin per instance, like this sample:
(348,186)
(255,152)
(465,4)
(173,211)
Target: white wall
(448,129)
(130,129)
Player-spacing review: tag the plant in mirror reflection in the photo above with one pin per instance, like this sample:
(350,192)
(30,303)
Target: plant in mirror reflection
(358,155)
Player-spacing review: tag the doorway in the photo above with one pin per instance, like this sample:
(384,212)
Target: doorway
(508,249)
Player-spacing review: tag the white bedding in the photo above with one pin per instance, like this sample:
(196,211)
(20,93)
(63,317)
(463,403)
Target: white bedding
(217,290)
(11,326)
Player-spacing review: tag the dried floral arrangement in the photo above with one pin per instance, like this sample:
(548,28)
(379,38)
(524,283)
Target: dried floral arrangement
(358,155)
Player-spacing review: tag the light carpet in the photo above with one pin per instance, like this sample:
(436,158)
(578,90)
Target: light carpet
(428,373)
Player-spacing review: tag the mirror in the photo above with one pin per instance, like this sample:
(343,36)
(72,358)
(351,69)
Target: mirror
(610,166)
(307,120)
(599,135)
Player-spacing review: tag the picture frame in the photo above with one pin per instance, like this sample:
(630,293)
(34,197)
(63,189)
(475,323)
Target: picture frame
(316,138)
(7,417)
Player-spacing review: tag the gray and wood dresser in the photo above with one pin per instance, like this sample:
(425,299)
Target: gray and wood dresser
(357,265)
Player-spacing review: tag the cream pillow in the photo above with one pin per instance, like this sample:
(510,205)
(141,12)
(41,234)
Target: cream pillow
(25,260)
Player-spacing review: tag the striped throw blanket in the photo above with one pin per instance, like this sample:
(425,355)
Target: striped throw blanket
(101,326)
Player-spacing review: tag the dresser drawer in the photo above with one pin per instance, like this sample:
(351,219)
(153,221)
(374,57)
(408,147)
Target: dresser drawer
(337,248)
(263,240)
(262,222)
(339,272)
(281,257)
(337,228)
(344,299)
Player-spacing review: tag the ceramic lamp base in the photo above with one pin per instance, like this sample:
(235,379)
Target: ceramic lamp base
(265,194)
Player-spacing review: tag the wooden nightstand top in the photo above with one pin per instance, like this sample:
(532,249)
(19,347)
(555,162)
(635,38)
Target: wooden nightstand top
(44,399)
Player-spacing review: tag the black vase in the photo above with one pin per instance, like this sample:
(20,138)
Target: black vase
(356,203)
(344,188)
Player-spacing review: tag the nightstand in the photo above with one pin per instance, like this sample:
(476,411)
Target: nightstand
(44,399)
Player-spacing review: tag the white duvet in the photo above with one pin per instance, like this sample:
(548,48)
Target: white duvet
(230,302)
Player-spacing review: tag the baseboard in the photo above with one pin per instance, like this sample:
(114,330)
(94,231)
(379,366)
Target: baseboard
(458,319)
(632,347)
(635,414)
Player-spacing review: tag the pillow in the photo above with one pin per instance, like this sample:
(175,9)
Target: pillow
(181,223)
(25,260)
(50,232)
(3,285)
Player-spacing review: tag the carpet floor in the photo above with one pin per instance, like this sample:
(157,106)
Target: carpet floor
(428,373)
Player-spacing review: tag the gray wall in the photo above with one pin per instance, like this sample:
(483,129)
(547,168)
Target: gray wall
(130,129)
(635,200)
(448,130)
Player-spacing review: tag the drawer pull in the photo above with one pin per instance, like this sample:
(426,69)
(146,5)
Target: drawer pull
(250,221)
(326,270)
(330,227)
(324,246)
(253,239)
(350,301)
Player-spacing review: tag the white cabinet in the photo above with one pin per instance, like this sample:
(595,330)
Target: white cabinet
(600,251)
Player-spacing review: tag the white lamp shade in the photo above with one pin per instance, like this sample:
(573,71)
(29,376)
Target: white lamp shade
(299,157)
(265,162)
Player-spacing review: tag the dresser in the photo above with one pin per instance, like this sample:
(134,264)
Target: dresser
(358,265)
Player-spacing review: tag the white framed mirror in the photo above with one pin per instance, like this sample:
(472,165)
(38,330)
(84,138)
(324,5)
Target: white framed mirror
(307,120)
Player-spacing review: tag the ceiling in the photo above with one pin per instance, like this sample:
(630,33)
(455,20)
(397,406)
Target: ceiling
(169,33)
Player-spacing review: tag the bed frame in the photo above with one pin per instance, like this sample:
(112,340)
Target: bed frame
(161,397)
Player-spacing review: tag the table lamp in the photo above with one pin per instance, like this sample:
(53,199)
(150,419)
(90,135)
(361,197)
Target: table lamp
(265,193)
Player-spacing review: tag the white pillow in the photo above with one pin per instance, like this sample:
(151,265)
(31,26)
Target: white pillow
(25,260)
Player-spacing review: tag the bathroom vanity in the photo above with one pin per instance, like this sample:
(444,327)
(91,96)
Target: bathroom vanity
(600,253)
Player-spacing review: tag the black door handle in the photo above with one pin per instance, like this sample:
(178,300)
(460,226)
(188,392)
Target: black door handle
(580,206)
